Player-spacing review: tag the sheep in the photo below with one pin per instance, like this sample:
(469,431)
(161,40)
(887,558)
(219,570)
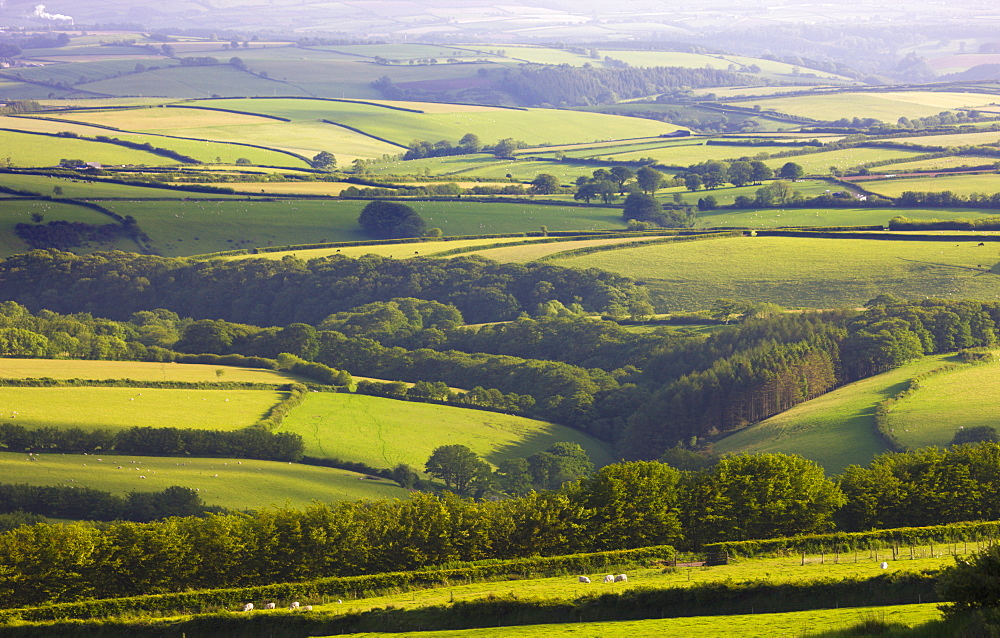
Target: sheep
(248,607)
(884,565)
(307,608)
(269,606)
(621,578)
(610,578)
(584,579)
(293,606)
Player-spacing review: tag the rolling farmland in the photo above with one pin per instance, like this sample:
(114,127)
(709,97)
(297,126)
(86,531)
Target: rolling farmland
(385,432)
(807,272)
(230,483)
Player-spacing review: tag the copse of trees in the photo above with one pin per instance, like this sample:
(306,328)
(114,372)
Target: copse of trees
(391,220)
(84,503)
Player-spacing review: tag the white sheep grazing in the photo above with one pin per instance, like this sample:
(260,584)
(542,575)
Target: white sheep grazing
(610,578)
(307,608)
(269,606)
(293,606)
(248,607)
(584,579)
(884,565)
(621,578)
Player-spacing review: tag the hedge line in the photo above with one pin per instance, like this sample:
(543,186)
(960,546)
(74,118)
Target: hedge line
(849,541)
(342,587)
(48,382)
(882,429)
(277,413)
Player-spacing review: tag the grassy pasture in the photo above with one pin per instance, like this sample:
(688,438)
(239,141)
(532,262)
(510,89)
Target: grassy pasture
(80,189)
(224,482)
(887,106)
(728,194)
(774,570)
(774,217)
(987,183)
(820,163)
(686,155)
(384,432)
(945,403)
(836,429)
(531,252)
(807,272)
(181,228)
(938,163)
(534,126)
(117,408)
(205,151)
(483,166)
(73,73)
(137,370)
(14,90)
(191,81)
(955,139)
(796,623)
(25,149)
(14,211)
(305,137)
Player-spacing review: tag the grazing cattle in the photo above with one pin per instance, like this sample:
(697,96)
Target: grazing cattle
(884,565)
(621,578)
(610,578)
(248,607)
(294,606)
(269,606)
(584,579)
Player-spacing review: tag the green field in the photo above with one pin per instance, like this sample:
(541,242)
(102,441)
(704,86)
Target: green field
(955,139)
(807,272)
(934,164)
(483,166)
(946,403)
(200,227)
(836,429)
(531,252)
(118,408)
(845,159)
(14,211)
(682,156)
(192,81)
(385,432)
(779,217)
(451,122)
(796,624)
(229,483)
(727,194)
(887,106)
(985,183)
(136,370)
(25,149)
(90,189)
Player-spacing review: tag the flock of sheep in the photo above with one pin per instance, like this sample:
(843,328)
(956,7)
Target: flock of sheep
(610,578)
(293,607)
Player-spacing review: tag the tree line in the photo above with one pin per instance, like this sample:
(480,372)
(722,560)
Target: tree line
(625,505)
(280,292)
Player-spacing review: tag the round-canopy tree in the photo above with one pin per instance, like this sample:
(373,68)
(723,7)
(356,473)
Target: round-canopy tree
(391,220)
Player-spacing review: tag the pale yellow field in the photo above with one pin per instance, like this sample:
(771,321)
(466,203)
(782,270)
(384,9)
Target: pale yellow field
(531,252)
(138,370)
(166,119)
(958,139)
(400,251)
(435,107)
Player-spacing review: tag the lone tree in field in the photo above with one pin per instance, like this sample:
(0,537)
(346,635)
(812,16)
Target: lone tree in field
(460,468)
(324,160)
(791,170)
(545,184)
(391,220)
